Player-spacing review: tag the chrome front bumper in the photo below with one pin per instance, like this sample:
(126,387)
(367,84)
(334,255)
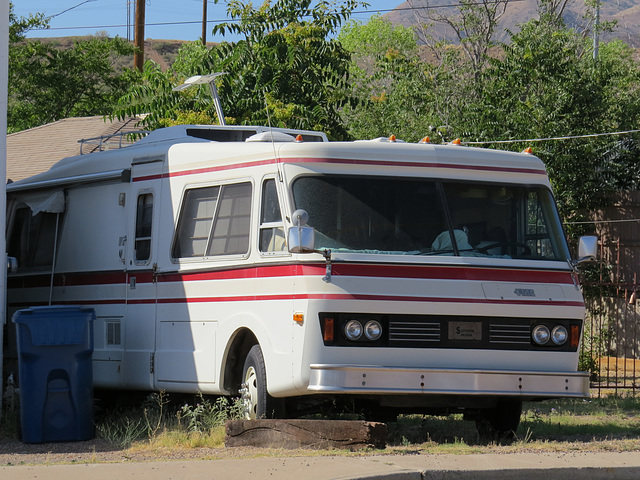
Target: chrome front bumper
(372,380)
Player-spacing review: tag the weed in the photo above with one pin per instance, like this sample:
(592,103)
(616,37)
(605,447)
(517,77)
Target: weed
(122,432)
(204,416)
(154,411)
(164,422)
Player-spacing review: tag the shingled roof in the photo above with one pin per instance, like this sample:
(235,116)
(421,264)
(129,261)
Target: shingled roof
(35,150)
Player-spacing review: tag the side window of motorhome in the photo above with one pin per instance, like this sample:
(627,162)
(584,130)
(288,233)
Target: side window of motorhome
(32,238)
(272,237)
(144,215)
(214,221)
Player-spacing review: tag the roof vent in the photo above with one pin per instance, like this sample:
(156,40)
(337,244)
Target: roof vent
(271,136)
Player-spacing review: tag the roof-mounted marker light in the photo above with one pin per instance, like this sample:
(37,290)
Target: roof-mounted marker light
(425,140)
(457,141)
(299,138)
(528,150)
(392,138)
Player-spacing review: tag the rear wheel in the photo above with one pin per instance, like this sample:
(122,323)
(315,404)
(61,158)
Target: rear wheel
(256,401)
(499,424)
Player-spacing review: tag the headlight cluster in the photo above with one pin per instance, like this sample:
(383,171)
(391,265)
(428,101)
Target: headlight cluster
(542,335)
(355,330)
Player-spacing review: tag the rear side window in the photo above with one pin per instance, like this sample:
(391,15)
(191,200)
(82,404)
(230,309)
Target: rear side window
(32,238)
(214,221)
(144,215)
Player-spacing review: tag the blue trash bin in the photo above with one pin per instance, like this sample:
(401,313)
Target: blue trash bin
(55,353)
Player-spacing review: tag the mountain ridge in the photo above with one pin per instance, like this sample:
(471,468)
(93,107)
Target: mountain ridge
(625,12)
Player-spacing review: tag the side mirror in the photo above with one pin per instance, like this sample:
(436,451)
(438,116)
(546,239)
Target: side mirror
(587,249)
(301,238)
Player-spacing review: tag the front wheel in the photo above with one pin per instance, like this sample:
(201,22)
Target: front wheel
(256,401)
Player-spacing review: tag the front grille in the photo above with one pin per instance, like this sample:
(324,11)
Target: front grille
(414,331)
(440,331)
(509,334)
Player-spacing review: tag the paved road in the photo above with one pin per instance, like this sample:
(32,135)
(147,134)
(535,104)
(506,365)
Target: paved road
(562,466)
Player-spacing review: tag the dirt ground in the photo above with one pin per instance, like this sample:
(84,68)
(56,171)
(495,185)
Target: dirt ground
(13,452)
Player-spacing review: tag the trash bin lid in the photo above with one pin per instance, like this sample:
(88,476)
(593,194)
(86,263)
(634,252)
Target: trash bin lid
(56,325)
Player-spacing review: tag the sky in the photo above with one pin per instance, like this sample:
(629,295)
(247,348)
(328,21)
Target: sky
(164,19)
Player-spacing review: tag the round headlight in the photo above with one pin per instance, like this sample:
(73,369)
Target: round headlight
(353,330)
(540,334)
(373,330)
(559,335)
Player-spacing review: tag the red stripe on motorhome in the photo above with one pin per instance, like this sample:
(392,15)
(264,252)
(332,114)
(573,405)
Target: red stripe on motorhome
(344,161)
(419,272)
(318,296)
(427,272)
(197,171)
(384,163)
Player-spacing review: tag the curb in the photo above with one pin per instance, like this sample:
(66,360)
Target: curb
(579,473)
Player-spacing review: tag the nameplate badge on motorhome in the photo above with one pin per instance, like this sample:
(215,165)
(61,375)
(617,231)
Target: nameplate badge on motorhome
(465,330)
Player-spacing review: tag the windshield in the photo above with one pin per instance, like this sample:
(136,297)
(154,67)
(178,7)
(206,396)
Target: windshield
(429,217)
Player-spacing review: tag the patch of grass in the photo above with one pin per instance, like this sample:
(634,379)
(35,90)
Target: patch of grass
(603,424)
(163,421)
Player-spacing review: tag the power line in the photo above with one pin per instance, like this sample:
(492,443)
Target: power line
(592,222)
(569,137)
(71,8)
(198,22)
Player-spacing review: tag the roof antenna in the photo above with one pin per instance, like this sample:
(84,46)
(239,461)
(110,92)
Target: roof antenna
(201,80)
(266,107)
(273,143)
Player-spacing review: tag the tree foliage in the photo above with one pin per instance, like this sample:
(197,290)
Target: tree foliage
(547,85)
(293,68)
(393,85)
(18,27)
(47,83)
(288,69)
(543,84)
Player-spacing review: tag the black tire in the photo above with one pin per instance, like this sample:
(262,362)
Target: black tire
(256,400)
(499,424)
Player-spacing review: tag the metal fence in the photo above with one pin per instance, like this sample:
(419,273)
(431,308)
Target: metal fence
(611,343)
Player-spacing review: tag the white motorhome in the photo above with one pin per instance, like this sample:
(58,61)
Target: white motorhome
(274,264)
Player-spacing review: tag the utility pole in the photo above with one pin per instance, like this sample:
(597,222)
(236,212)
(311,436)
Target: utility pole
(138,57)
(4,68)
(204,22)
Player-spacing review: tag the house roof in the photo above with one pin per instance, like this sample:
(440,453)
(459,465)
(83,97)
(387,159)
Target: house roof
(35,150)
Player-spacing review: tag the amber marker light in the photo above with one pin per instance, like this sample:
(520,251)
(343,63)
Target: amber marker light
(575,336)
(392,138)
(299,138)
(425,140)
(298,318)
(457,141)
(327,329)
(528,150)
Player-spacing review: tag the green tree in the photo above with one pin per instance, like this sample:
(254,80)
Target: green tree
(47,83)
(387,76)
(547,85)
(288,68)
(473,28)
(18,27)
